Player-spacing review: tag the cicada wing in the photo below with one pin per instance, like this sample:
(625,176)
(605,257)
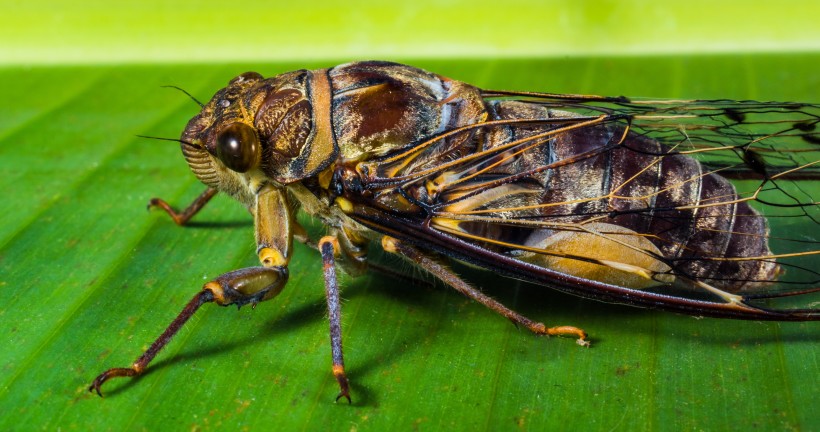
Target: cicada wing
(780,135)
(548,194)
(465,250)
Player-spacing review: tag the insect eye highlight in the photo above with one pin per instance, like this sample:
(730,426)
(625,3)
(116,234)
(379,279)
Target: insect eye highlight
(237,146)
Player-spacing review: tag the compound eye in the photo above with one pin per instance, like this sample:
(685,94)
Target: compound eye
(237,146)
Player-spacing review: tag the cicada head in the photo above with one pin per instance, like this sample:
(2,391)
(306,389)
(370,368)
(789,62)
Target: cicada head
(258,130)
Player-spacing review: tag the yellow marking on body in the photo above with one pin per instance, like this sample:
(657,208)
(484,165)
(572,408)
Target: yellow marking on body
(344,204)
(436,185)
(363,90)
(338,370)
(486,197)
(247,118)
(613,254)
(333,242)
(216,289)
(323,142)
(325,176)
(585,251)
(451,224)
(272,258)
(389,244)
(629,268)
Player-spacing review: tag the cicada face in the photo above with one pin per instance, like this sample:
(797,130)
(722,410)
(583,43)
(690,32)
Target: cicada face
(220,144)
(258,131)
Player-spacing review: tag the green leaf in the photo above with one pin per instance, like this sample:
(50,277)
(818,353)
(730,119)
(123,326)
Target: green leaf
(89,279)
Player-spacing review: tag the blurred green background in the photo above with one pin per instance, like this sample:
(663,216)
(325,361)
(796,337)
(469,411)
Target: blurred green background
(88,278)
(98,31)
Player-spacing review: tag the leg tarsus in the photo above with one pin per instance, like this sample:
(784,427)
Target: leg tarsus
(189,212)
(579,334)
(111,373)
(344,384)
(542,330)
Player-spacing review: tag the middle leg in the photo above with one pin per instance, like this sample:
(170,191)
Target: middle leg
(329,246)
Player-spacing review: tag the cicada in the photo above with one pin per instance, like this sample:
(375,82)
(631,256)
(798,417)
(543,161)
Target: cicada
(667,204)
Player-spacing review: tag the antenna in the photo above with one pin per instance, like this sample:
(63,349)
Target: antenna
(201,105)
(169,139)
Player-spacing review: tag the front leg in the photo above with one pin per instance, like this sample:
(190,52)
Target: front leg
(239,287)
(252,285)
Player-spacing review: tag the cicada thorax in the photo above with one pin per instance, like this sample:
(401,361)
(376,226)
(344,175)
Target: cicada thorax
(381,108)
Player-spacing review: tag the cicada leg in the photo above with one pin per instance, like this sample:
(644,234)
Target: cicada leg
(189,212)
(273,219)
(447,276)
(239,287)
(329,247)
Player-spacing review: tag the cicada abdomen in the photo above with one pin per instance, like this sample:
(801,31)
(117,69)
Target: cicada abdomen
(600,194)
